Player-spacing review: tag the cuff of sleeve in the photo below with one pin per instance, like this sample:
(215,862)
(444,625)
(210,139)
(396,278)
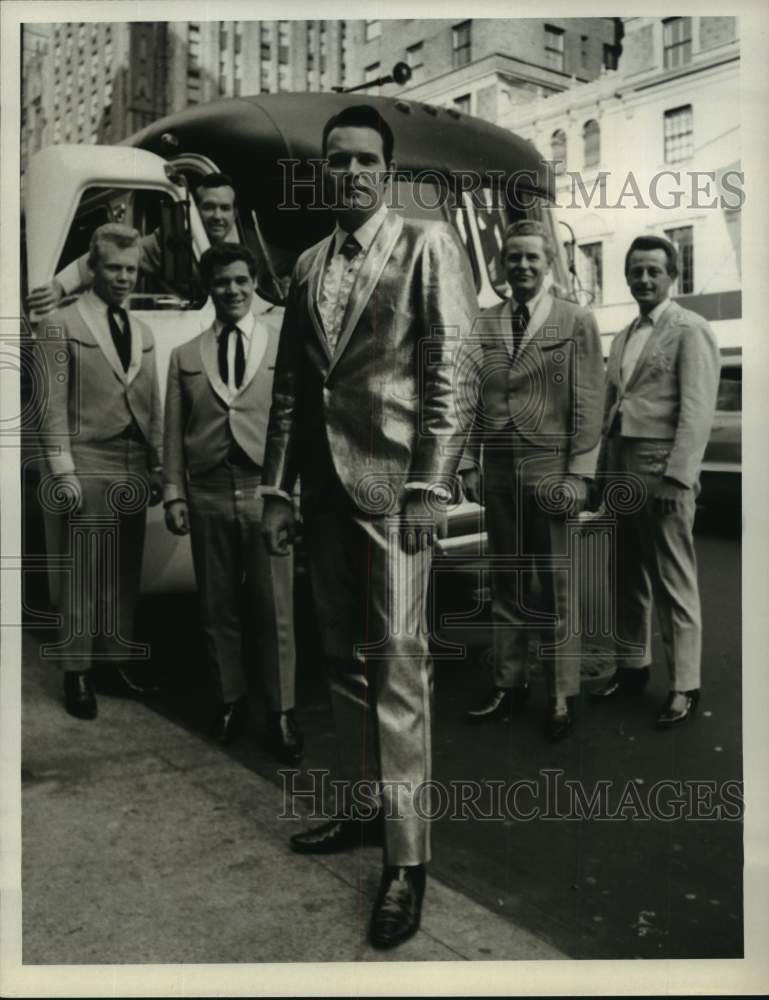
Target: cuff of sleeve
(171,493)
(676,480)
(273,491)
(62,464)
(439,491)
(585,463)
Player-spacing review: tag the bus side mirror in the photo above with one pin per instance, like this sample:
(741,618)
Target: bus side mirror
(176,247)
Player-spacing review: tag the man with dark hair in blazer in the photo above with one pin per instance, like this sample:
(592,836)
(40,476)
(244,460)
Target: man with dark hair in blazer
(102,430)
(662,375)
(364,411)
(536,433)
(215,198)
(217,407)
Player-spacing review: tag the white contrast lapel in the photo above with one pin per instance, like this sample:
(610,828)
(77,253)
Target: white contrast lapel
(210,361)
(258,350)
(101,335)
(366,279)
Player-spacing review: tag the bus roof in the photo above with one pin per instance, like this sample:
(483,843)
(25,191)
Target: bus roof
(254,132)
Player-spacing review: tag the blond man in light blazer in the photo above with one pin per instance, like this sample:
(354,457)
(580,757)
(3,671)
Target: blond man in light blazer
(662,375)
(102,432)
(217,408)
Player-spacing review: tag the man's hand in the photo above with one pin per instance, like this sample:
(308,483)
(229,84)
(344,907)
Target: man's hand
(278,525)
(45,298)
(178,517)
(68,488)
(422,521)
(155,481)
(669,496)
(471,484)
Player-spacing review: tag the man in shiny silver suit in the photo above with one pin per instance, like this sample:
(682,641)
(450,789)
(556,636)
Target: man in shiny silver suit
(365,411)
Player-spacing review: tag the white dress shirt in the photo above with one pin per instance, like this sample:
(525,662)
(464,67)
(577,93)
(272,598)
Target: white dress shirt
(254,343)
(636,339)
(339,274)
(539,309)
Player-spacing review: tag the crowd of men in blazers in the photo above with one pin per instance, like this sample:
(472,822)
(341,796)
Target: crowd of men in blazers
(378,432)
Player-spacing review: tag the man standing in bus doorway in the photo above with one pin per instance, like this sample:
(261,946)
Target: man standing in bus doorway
(102,432)
(217,406)
(215,198)
(364,411)
(662,374)
(536,435)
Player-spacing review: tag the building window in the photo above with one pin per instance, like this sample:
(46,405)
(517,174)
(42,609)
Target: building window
(554,47)
(284,78)
(284,42)
(583,51)
(372,30)
(682,239)
(462,104)
(591,138)
(415,62)
(222,35)
(460,44)
(679,134)
(558,150)
(677,41)
(590,271)
(370,73)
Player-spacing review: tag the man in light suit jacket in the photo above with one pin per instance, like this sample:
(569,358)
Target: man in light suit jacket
(534,444)
(364,410)
(662,374)
(102,431)
(217,407)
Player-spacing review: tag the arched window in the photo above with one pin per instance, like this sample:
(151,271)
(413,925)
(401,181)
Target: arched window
(591,138)
(558,150)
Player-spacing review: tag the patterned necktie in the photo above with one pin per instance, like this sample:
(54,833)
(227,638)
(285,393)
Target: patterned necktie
(121,334)
(240,356)
(350,248)
(520,324)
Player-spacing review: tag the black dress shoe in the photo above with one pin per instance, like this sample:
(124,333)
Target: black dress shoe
(284,740)
(624,680)
(339,835)
(501,702)
(560,722)
(79,698)
(229,723)
(398,907)
(679,707)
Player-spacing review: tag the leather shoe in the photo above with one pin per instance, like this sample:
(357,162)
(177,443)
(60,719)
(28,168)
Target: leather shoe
(284,740)
(229,723)
(500,703)
(560,722)
(624,680)
(398,907)
(679,707)
(338,835)
(79,699)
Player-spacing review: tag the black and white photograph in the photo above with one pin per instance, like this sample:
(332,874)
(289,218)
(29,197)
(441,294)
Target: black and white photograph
(384,549)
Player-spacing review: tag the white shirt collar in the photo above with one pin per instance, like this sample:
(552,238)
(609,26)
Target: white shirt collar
(97,304)
(245,325)
(655,314)
(363,234)
(533,304)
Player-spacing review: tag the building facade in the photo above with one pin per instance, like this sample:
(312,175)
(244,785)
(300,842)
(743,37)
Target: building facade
(651,148)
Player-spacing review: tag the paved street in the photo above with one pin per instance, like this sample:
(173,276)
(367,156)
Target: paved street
(151,801)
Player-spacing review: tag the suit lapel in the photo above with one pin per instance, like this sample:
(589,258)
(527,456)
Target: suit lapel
(313,290)
(255,359)
(666,319)
(210,362)
(101,335)
(366,279)
(137,349)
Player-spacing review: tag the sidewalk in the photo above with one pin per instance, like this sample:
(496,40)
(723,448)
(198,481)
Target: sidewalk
(143,843)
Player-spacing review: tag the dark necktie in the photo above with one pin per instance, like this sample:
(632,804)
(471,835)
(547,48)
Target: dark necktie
(520,324)
(240,356)
(121,335)
(350,248)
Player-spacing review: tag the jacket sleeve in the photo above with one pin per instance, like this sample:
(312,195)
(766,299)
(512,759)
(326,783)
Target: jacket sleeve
(279,471)
(447,369)
(588,387)
(699,369)
(174,464)
(52,342)
(155,457)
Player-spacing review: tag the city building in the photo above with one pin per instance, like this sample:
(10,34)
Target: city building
(652,147)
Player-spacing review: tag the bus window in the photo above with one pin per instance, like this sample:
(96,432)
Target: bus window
(142,209)
(730,389)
